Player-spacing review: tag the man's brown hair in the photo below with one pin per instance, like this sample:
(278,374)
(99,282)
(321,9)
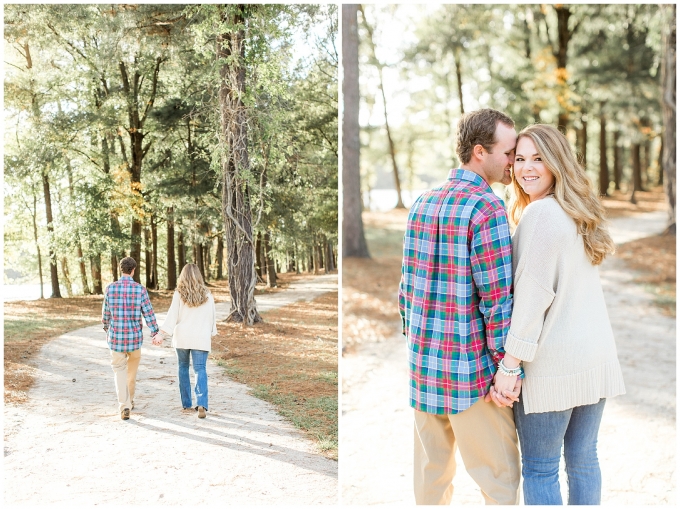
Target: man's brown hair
(127,265)
(478,128)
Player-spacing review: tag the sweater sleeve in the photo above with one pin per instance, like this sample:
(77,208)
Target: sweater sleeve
(539,246)
(171,318)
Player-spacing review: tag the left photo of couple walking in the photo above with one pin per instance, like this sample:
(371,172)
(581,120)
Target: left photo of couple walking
(171,177)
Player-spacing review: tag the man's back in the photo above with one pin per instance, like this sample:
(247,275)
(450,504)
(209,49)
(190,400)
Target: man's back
(124,304)
(455,293)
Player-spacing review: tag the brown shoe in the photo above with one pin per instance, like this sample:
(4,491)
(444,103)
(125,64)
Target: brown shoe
(201,412)
(125,414)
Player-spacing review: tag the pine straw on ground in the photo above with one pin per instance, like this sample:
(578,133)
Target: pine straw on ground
(654,259)
(290,360)
(618,203)
(29,324)
(370,285)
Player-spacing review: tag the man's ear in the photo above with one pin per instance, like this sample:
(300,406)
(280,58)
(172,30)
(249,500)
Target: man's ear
(478,151)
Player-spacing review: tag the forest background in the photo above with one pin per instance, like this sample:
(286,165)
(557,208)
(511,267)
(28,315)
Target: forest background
(124,124)
(595,70)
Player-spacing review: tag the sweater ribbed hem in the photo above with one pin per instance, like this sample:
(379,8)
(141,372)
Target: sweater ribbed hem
(557,393)
(523,350)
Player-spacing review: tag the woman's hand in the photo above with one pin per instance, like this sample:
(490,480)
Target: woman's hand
(505,390)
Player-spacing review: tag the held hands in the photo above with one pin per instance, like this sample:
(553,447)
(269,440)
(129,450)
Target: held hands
(505,390)
(157,340)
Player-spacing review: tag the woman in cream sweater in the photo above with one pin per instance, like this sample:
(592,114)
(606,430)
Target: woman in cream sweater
(191,323)
(560,332)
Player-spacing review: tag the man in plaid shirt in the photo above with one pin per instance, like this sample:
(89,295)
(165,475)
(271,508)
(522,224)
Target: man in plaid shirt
(124,304)
(455,300)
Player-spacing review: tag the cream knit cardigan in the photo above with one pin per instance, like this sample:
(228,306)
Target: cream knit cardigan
(560,327)
(191,328)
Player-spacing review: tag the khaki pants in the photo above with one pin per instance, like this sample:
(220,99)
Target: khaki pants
(487,440)
(125,366)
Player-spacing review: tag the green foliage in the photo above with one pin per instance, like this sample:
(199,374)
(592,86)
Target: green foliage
(507,56)
(80,76)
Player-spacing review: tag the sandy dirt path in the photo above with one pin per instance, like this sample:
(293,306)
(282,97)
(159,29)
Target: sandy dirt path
(637,438)
(67,444)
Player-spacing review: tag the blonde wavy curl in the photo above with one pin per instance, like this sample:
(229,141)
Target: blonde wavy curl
(572,190)
(191,287)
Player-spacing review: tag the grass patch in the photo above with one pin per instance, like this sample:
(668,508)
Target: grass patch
(290,360)
(29,324)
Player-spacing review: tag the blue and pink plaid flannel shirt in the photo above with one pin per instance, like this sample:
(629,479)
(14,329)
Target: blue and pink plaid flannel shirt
(455,296)
(124,304)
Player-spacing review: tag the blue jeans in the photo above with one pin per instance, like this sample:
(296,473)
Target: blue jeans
(541,437)
(199,358)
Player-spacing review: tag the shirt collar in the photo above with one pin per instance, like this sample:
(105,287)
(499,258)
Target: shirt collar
(470,176)
(125,276)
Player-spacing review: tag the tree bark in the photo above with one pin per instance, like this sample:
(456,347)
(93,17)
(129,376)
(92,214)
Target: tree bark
(604,168)
(172,265)
(154,252)
(353,239)
(54,276)
(259,267)
(66,276)
(636,177)
(148,262)
(235,194)
(564,35)
(668,78)
(37,244)
(269,260)
(584,142)
(617,162)
(219,255)
(181,252)
(96,268)
(659,163)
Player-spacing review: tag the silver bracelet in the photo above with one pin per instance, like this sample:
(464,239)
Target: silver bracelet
(507,371)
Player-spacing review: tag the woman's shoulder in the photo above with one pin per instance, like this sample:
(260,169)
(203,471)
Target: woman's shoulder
(545,220)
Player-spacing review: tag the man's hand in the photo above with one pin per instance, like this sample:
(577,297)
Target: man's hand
(157,339)
(500,394)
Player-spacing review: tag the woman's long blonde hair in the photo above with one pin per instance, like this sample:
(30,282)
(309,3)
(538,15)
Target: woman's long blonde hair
(572,190)
(191,287)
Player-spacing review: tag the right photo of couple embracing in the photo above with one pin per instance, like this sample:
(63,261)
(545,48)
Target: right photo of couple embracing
(512,350)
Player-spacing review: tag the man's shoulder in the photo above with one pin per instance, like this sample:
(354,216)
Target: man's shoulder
(460,194)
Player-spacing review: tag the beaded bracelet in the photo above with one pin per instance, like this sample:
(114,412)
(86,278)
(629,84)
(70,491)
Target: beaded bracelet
(507,371)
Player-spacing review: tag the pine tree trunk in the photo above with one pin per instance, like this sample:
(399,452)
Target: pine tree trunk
(235,194)
(207,260)
(114,266)
(563,37)
(269,260)
(148,261)
(637,177)
(604,168)
(353,239)
(181,252)
(258,256)
(96,268)
(198,258)
(219,255)
(54,276)
(37,244)
(659,163)
(617,162)
(66,276)
(172,265)
(668,79)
